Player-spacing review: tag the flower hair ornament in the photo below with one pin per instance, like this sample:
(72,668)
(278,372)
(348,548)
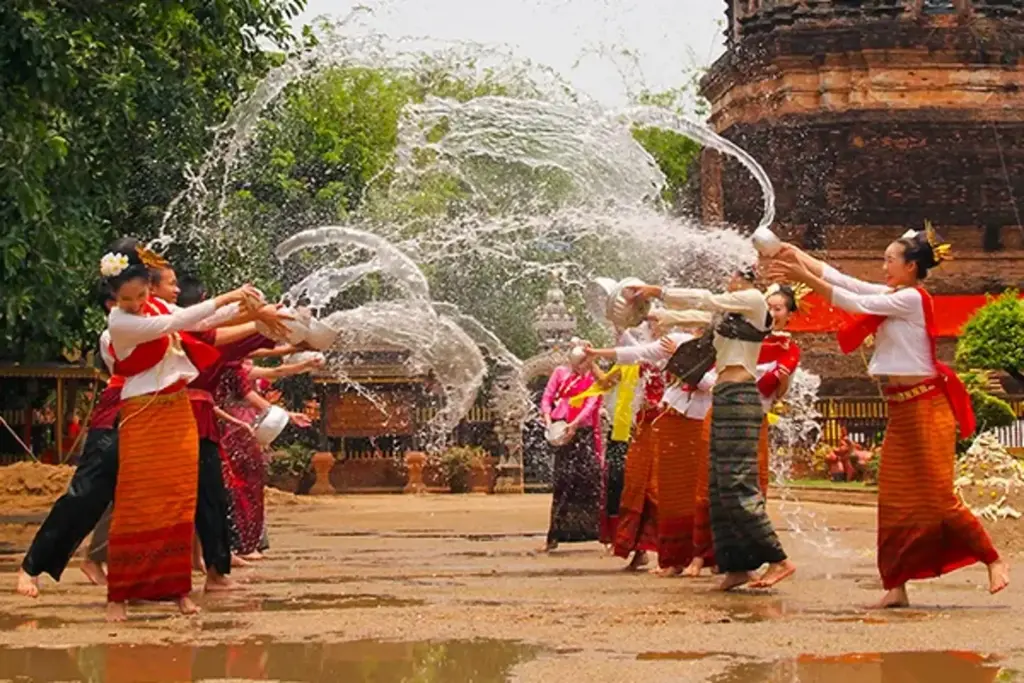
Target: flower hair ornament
(150,258)
(800,292)
(940,251)
(112,265)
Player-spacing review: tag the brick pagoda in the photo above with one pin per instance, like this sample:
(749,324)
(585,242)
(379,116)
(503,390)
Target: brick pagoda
(872,116)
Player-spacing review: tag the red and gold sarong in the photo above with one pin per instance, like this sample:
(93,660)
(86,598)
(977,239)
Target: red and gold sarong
(924,529)
(637,527)
(678,441)
(150,546)
(703,541)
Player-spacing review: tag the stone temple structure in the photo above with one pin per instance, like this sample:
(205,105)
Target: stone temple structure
(871,117)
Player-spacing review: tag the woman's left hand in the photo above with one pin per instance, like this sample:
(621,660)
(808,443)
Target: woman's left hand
(300,420)
(785,270)
(668,345)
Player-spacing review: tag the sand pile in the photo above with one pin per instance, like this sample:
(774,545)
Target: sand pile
(272,496)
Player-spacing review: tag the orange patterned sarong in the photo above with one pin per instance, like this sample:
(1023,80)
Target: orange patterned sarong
(150,546)
(924,529)
(637,527)
(678,441)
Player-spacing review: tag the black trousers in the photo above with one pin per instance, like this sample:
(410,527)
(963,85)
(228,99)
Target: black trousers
(75,513)
(212,523)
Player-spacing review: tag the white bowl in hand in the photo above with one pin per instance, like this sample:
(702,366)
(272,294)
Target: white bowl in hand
(597,294)
(298,328)
(627,313)
(321,336)
(557,433)
(270,424)
(766,242)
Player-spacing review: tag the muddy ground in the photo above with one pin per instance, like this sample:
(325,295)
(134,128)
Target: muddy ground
(451,588)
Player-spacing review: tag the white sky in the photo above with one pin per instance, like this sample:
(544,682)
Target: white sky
(669,37)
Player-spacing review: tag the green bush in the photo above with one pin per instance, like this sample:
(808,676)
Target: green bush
(993,339)
(457,464)
(293,460)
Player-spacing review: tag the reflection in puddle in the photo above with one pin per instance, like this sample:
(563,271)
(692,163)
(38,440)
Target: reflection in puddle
(26,622)
(746,610)
(479,661)
(895,667)
(312,601)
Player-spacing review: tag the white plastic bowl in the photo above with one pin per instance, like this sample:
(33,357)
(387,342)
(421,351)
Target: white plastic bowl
(302,357)
(298,328)
(626,314)
(321,336)
(577,355)
(270,424)
(557,433)
(766,242)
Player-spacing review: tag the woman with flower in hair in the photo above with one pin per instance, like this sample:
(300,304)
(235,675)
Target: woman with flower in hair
(150,544)
(924,529)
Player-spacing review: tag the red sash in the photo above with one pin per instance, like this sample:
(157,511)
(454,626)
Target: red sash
(149,354)
(853,335)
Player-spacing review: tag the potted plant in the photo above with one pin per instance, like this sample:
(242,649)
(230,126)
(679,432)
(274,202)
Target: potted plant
(457,465)
(290,467)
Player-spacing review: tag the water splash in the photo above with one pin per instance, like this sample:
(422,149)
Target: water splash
(797,433)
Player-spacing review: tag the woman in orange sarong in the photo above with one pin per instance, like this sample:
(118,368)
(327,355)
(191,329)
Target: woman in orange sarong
(150,543)
(924,530)
(675,441)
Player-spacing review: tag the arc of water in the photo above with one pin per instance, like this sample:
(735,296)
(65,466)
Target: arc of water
(663,118)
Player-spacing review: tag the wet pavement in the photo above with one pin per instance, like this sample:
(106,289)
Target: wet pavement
(452,589)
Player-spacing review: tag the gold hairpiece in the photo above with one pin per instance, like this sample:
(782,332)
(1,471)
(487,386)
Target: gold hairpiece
(150,258)
(940,252)
(800,292)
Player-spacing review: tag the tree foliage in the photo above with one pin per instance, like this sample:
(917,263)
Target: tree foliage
(102,104)
(993,339)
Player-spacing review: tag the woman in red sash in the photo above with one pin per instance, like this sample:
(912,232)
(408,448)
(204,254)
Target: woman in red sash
(924,530)
(150,545)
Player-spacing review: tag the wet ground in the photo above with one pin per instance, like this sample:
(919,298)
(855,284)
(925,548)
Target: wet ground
(390,589)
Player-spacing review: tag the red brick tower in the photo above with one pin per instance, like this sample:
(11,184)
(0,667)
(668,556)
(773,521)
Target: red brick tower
(872,116)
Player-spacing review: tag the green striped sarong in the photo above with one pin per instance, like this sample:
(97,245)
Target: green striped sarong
(743,534)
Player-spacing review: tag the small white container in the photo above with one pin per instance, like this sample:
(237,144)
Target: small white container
(597,294)
(321,336)
(557,433)
(270,424)
(577,355)
(298,328)
(766,242)
(626,314)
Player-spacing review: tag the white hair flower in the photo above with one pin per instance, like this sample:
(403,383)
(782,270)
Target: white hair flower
(112,265)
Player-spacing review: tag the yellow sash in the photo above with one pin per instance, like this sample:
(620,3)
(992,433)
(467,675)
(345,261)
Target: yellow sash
(622,418)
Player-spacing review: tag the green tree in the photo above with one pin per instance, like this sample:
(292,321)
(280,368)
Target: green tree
(993,339)
(102,104)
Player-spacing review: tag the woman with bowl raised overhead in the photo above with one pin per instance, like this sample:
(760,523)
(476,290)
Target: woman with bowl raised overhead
(575,433)
(924,529)
(150,545)
(744,538)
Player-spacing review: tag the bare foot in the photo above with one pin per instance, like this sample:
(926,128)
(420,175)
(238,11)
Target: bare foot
(777,572)
(998,576)
(692,570)
(667,572)
(548,547)
(895,598)
(27,585)
(94,572)
(219,582)
(116,612)
(640,560)
(239,562)
(186,606)
(735,579)
(254,556)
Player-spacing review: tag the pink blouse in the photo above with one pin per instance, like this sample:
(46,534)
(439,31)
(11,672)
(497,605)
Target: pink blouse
(562,386)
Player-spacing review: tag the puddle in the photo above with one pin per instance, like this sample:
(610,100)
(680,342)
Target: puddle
(893,667)
(479,661)
(749,610)
(312,601)
(26,622)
